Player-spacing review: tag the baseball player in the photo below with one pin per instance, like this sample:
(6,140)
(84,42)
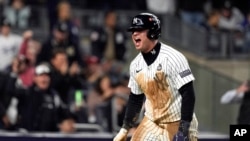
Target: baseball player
(161,76)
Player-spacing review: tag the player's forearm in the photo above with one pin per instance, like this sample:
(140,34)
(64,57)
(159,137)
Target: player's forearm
(133,110)
(187,109)
(188,101)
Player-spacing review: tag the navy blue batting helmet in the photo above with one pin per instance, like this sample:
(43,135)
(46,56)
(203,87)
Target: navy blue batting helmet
(146,21)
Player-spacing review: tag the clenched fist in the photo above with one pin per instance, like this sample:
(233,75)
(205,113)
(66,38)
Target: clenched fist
(122,135)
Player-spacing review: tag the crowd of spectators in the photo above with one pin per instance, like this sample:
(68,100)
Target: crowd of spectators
(50,84)
(226,17)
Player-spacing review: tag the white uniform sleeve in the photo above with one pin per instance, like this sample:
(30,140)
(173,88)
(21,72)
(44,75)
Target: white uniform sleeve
(232,96)
(180,72)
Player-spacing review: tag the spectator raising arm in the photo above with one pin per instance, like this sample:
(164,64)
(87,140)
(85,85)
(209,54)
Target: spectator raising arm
(235,95)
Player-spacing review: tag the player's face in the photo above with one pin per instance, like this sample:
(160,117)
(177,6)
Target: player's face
(140,40)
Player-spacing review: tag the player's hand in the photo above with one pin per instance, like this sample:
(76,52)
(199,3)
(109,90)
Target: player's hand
(122,135)
(182,134)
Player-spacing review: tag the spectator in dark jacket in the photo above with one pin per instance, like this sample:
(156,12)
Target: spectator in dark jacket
(16,76)
(109,42)
(60,11)
(64,14)
(65,79)
(7,80)
(40,106)
(60,40)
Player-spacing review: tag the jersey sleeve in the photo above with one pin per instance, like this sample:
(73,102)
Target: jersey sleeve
(180,72)
(132,84)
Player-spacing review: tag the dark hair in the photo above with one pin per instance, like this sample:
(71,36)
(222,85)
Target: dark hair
(227,4)
(108,12)
(97,85)
(57,51)
(5,22)
(62,27)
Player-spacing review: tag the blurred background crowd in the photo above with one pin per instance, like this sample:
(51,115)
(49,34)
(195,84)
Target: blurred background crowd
(64,63)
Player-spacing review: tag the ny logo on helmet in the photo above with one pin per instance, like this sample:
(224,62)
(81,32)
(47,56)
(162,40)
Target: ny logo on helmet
(137,21)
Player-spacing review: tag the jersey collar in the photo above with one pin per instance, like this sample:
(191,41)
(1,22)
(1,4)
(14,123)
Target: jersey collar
(152,55)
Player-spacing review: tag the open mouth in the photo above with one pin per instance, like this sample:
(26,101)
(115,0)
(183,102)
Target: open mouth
(137,41)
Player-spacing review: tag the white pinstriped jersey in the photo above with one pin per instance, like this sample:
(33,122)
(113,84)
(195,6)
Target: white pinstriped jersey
(160,82)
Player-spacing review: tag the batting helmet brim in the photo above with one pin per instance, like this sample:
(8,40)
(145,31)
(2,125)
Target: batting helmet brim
(136,28)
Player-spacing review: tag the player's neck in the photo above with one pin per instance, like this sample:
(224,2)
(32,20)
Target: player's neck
(151,46)
(150,56)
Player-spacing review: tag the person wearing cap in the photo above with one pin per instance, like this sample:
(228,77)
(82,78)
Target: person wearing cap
(60,39)
(10,44)
(161,79)
(40,107)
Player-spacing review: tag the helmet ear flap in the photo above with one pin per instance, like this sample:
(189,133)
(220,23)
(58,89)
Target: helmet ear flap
(150,35)
(154,33)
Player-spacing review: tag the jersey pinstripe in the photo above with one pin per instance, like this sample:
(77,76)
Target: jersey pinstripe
(160,82)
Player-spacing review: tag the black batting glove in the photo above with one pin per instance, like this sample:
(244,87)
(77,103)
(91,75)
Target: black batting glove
(182,134)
